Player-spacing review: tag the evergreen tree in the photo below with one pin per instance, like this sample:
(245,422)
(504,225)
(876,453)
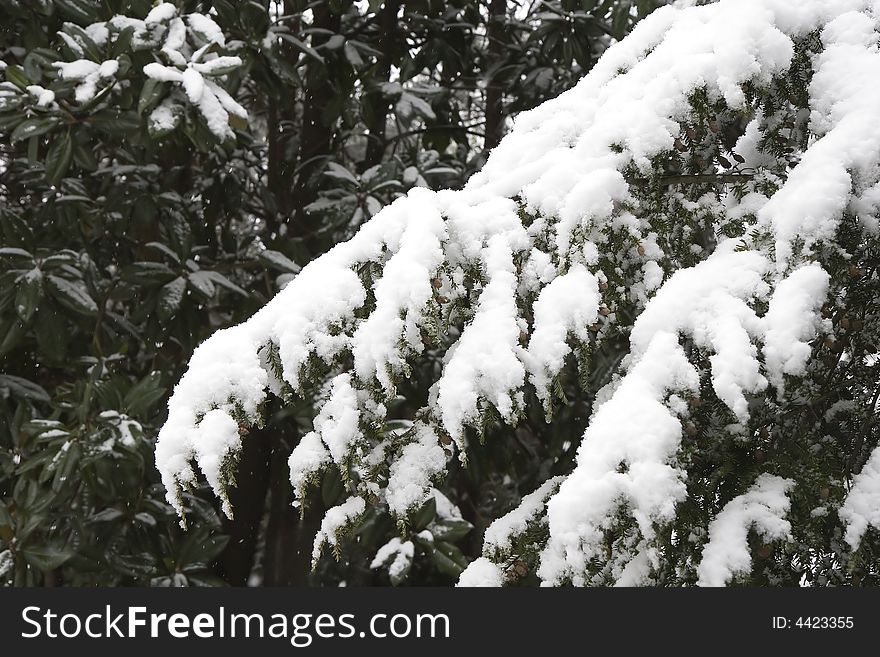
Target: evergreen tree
(683,247)
(164,169)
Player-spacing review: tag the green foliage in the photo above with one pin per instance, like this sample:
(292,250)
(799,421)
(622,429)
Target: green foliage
(113,267)
(125,241)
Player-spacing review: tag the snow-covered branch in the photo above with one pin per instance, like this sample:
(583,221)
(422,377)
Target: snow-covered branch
(553,247)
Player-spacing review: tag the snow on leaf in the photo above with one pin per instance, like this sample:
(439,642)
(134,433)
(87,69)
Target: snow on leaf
(397,555)
(218,65)
(206,29)
(161,13)
(88,73)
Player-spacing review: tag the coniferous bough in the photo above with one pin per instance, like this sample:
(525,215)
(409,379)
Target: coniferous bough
(710,190)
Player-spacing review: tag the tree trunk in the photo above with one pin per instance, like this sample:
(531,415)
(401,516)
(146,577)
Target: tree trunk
(316,132)
(288,558)
(248,498)
(379,105)
(495,30)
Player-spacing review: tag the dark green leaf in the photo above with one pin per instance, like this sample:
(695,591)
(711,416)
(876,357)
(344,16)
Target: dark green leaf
(302,47)
(158,246)
(29,294)
(46,557)
(81,11)
(447,565)
(222,281)
(72,295)
(16,76)
(68,460)
(144,395)
(84,156)
(115,122)
(152,92)
(253,17)
(353,56)
(122,43)
(17,256)
(200,549)
(201,283)
(107,515)
(170,298)
(52,334)
(339,172)
(451,529)
(23,388)
(425,514)
(145,519)
(34,127)
(277,260)
(58,159)
(11,332)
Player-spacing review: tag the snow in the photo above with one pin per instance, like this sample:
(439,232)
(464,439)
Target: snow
(164,118)
(401,293)
(763,507)
(481,573)
(217,66)
(215,439)
(7,561)
(792,321)
(71,43)
(409,482)
(637,571)
(226,101)
(567,305)
(108,69)
(308,457)
(45,97)
(232,373)
(161,13)
(214,103)
(446,510)
(861,509)
(99,33)
(398,553)
(484,364)
(710,302)
(125,426)
(175,40)
(633,428)
(89,73)
(162,73)
(206,28)
(335,520)
(564,163)
(193,85)
(338,420)
(499,536)
(845,95)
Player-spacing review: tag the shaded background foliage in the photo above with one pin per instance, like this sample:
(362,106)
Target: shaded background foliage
(122,247)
